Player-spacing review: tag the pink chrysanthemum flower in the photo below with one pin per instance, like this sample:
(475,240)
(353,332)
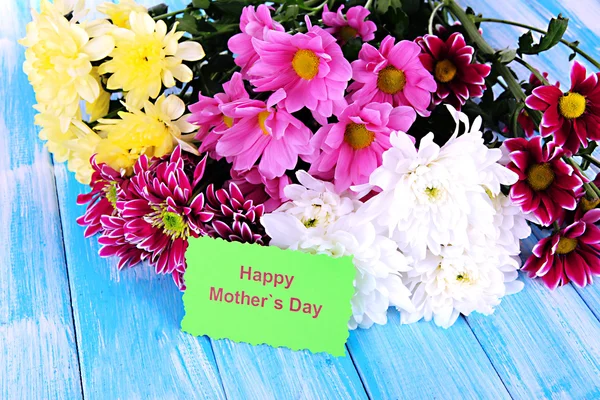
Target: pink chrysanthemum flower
(350,150)
(310,67)
(254,186)
(572,117)
(351,26)
(451,63)
(571,254)
(263,131)
(393,74)
(167,210)
(105,185)
(235,218)
(208,115)
(253,24)
(547,185)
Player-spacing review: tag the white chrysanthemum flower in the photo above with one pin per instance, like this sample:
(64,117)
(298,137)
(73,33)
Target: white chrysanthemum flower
(318,221)
(315,203)
(431,196)
(511,226)
(457,281)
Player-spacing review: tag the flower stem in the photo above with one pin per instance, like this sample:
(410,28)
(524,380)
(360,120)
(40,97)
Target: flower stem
(572,45)
(533,70)
(487,50)
(432,17)
(591,159)
(590,188)
(369,4)
(167,15)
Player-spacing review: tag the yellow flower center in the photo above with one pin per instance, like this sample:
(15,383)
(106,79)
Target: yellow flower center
(346,33)
(587,204)
(262,117)
(391,80)
(228,121)
(306,64)
(566,245)
(571,105)
(358,136)
(540,176)
(111,193)
(445,71)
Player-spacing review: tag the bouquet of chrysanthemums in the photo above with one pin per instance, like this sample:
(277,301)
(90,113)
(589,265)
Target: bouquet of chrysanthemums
(390,131)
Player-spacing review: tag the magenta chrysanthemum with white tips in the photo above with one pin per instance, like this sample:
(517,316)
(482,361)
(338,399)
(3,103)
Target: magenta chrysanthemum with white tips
(235,218)
(571,254)
(573,117)
(457,75)
(166,211)
(547,186)
(105,186)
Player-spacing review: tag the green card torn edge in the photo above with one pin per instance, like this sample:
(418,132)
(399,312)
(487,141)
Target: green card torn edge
(253,315)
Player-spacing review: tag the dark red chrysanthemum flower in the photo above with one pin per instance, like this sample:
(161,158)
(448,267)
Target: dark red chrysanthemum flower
(571,254)
(572,117)
(524,120)
(106,183)
(166,212)
(458,78)
(235,218)
(547,186)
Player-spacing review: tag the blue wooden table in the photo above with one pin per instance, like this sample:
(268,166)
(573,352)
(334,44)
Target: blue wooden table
(72,326)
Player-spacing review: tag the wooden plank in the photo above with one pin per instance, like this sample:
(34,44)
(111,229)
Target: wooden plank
(543,343)
(37,340)
(106,303)
(262,372)
(130,343)
(423,361)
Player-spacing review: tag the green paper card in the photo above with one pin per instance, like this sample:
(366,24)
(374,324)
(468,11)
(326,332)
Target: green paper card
(262,294)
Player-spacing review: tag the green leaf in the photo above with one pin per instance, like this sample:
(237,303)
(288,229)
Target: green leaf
(555,32)
(203,4)
(188,23)
(383,6)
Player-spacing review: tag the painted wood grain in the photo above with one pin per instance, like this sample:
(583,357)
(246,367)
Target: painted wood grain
(262,372)
(130,344)
(544,344)
(423,361)
(38,357)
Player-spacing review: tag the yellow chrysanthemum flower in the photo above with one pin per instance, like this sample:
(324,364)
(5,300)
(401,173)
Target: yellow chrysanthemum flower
(154,131)
(146,56)
(81,150)
(75,144)
(100,107)
(58,59)
(119,13)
